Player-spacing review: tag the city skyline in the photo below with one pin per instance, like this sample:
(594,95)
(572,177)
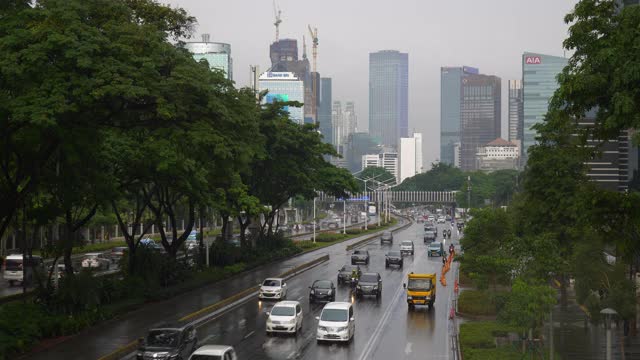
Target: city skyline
(496,48)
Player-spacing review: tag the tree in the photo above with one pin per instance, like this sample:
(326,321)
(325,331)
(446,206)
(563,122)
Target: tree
(603,72)
(375,174)
(441,177)
(527,305)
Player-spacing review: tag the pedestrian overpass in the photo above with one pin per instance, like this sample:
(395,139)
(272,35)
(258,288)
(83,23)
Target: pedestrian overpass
(415,197)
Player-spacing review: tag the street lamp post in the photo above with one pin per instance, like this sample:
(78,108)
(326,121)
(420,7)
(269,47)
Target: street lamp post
(366,207)
(608,315)
(314,219)
(344,216)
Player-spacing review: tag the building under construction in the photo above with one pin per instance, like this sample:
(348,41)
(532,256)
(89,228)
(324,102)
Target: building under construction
(284,58)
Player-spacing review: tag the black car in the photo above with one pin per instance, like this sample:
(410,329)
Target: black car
(369,284)
(344,274)
(322,290)
(386,236)
(360,256)
(168,342)
(393,257)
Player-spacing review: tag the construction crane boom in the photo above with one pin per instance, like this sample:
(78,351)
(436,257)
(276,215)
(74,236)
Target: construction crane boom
(314,38)
(278,19)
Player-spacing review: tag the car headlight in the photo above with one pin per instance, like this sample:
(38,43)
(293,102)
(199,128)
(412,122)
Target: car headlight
(322,328)
(375,287)
(292,321)
(313,292)
(341,329)
(409,298)
(329,293)
(174,356)
(358,286)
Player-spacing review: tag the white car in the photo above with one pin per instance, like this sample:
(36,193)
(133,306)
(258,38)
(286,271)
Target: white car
(214,352)
(336,322)
(273,288)
(406,247)
(441,220)
(286,317)
(95,261)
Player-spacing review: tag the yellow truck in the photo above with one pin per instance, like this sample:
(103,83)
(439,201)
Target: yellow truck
(421,290)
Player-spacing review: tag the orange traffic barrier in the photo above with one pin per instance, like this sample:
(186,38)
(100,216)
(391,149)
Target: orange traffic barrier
(443,281)
(455,286)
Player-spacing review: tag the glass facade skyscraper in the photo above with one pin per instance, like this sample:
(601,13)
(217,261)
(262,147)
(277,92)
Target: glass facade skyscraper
(450,99)
(480,116)
(539,82)
(218,55)
(324,110)
(388,96)
(516,115)
(284,86)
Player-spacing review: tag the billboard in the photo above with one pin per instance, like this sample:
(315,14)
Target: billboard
(470,70)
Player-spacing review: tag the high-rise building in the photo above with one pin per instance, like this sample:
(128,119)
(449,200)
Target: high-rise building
(370,160)
(284,58)
(410,156)
(350,119)
(480,116)
(450,101)
(218,55)
(324,110)
(539,83)
(515,110)
(388,96)
(339,131)
(283,86)
(357,145)
(389,161)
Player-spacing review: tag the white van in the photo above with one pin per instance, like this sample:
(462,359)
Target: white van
(13,268)
(336,322)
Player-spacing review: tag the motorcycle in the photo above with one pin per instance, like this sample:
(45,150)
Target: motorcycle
(354,282)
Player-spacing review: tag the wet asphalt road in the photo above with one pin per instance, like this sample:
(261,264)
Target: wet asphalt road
(385,329)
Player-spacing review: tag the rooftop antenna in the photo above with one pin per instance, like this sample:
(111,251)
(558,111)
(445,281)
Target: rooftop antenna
(277,14)
(304,48)
(314,37)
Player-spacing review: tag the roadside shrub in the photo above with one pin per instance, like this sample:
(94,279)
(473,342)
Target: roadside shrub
(482,334)
(482,302)
(330,237)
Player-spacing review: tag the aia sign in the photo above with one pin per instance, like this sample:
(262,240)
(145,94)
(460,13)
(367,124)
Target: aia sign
(533,60)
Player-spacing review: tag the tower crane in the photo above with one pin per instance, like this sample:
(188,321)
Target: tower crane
(277,14)
(314,52)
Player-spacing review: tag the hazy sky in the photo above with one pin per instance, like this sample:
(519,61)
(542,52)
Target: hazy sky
(488,34)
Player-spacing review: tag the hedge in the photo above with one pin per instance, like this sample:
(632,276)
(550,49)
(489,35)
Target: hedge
(481,302)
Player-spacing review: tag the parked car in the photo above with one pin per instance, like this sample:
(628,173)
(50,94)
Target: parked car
(273,288)
(286,317)
(435,249)
(336,322)
(393,257)
(360,256)
(117,253)
(15,269)
(168,342)
(406,247)
(369,284)
(193,235)
(322,290)
(386,236)
(345,272)
(96,261)
(214,352)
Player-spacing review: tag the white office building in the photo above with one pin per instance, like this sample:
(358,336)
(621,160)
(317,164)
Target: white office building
(387,160)
(498,155)
(284,86)
(410,156)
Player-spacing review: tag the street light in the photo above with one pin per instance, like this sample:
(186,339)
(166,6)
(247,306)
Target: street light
(608,313)
(314,218)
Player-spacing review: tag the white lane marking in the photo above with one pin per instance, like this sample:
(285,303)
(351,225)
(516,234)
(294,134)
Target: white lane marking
(208,338)
(300,298)
(249,334)
(407,349)
(381,324)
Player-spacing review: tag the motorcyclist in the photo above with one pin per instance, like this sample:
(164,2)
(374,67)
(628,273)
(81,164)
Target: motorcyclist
(355,276)
(451,249)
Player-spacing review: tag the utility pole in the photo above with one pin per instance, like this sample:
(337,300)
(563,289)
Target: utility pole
(314,219)
(366,206)
(344,216)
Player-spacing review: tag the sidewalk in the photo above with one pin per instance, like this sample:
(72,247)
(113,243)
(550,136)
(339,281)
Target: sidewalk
(110,335)
(576,338)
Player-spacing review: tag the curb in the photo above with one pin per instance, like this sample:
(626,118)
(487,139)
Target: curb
(365,240)
(132,346)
